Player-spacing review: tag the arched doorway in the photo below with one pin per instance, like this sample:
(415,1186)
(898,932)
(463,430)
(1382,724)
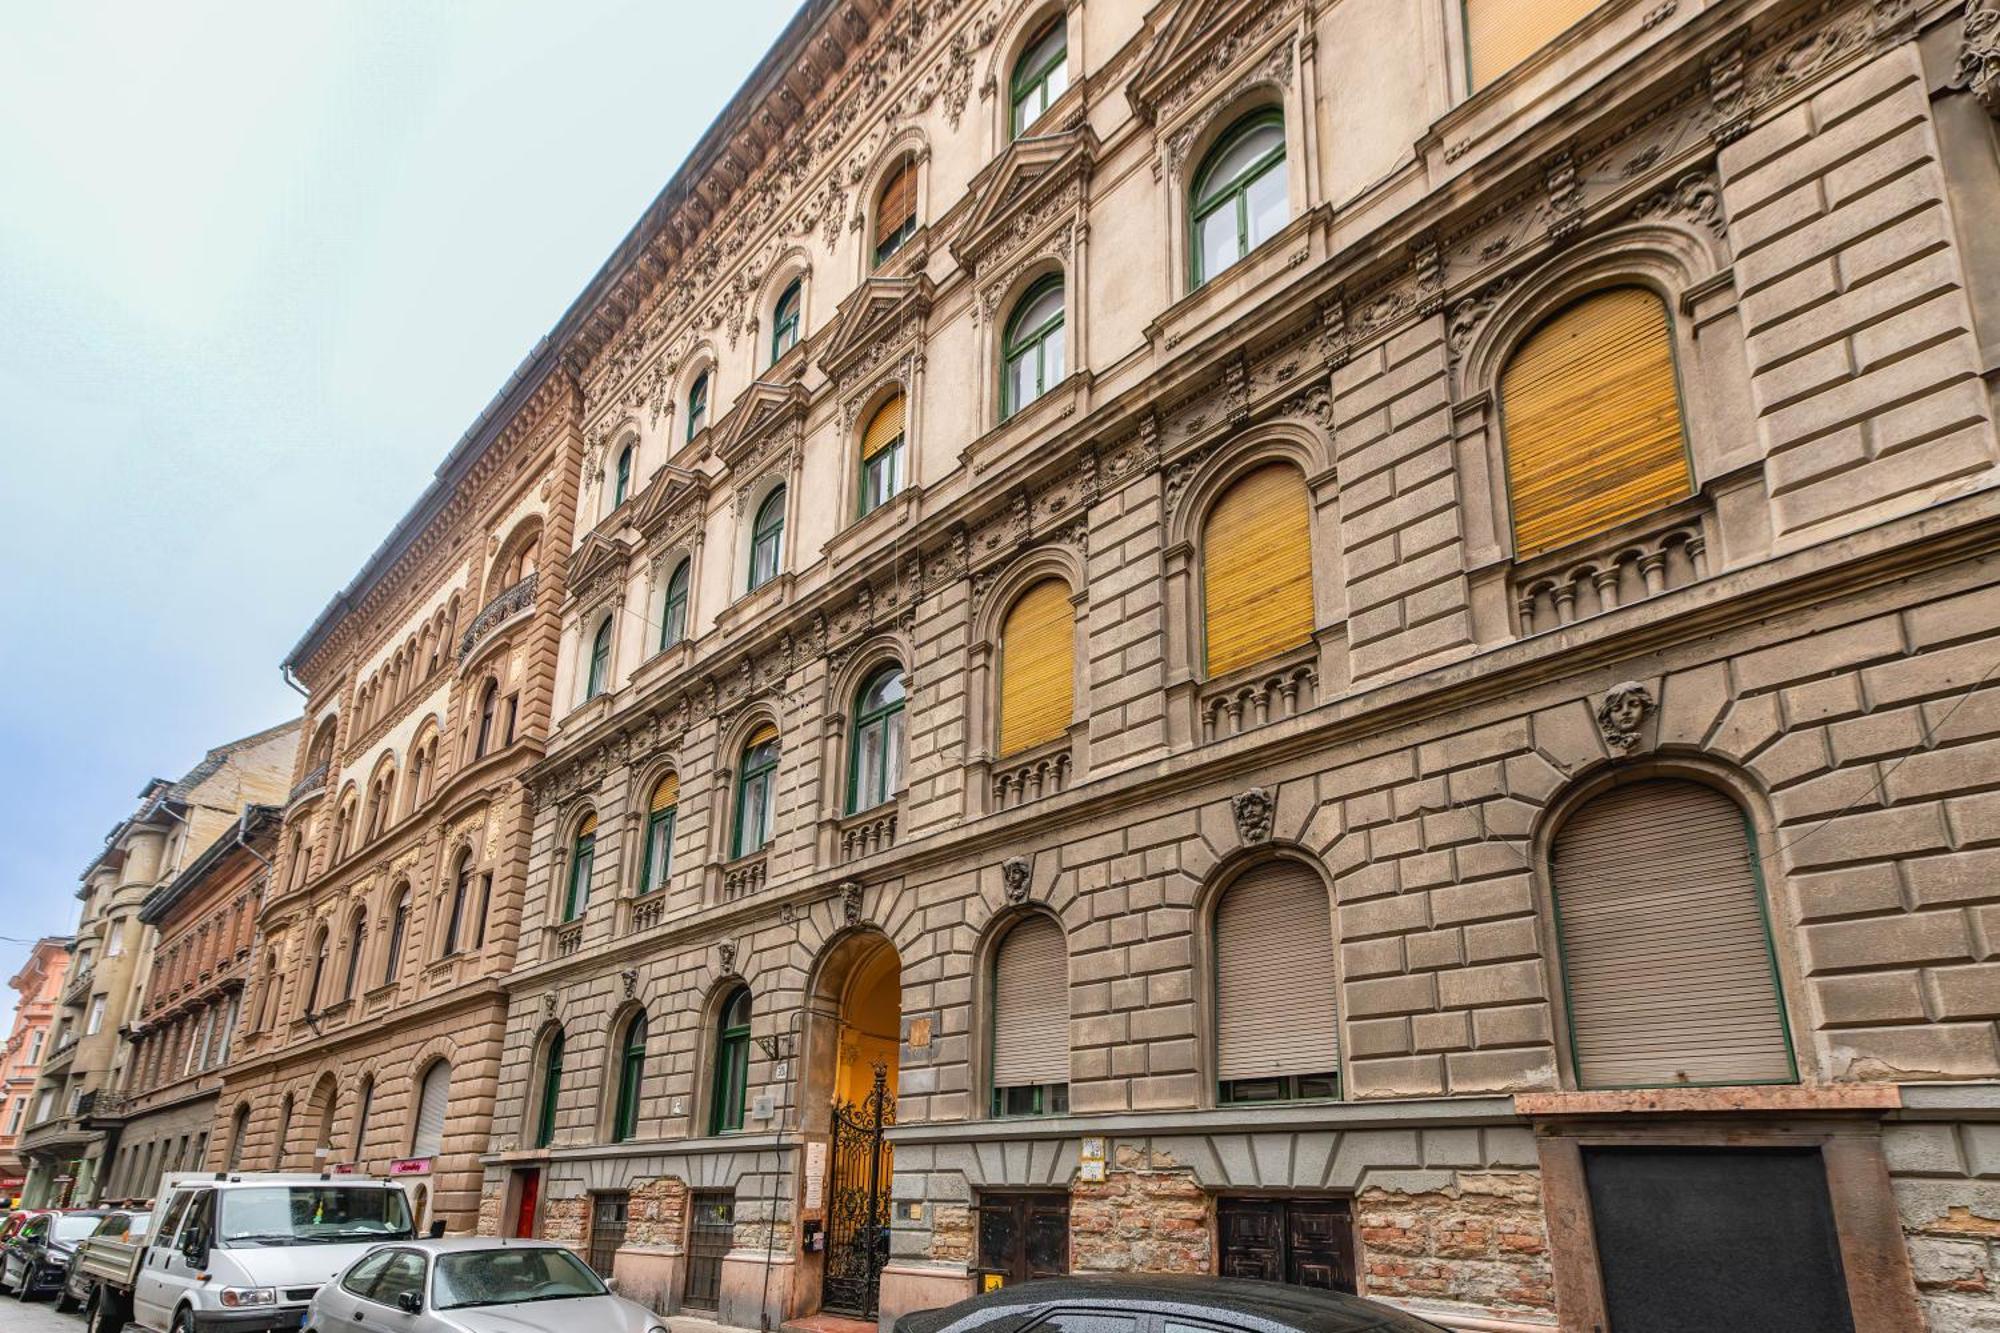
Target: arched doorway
(856,1040)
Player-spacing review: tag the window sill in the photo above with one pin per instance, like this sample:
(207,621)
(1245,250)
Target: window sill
(864,538)
(1282,259)
(1029,427)
(765,598)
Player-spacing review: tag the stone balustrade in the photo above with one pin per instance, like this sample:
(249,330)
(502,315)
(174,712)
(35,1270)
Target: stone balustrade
(1590,579)
(869,832)
(1041,772)
(505,605)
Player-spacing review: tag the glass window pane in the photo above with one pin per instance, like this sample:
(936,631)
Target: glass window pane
(1242,154)
(1057,81)
(1052,357)
(892,767)
(868,767)
(1265,197)
(1021,380)
(1217,240)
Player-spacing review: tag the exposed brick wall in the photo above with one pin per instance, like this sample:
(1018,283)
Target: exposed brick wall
(1481,1242)
(1947,1184)
(563,1219)
(951,1233)
(656,1212)
(1141,1219)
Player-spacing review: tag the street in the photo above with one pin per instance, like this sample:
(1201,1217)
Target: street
(41,1317)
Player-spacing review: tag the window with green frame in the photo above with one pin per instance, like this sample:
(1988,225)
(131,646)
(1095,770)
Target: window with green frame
(1041,74)
(882,455)
(600,661)
(552,1074)
(732,1064)
(658,860)
(756,790)
(698,405)
(582,856)
(631,1079)
(875,756)
(767,539)
(785,320)
(1032,349)
(1240,198)
(623,487)
(674,610)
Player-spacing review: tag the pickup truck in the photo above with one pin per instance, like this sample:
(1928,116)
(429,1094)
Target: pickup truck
(238,1252)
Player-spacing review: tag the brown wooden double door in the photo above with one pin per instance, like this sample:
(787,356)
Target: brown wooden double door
(1022,1236)
(1308,1242)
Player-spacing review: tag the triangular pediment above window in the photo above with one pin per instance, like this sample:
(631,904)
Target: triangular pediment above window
(1027,186)
(881,311)
(672,495)
(595,558)
(1200,43)
(765,409)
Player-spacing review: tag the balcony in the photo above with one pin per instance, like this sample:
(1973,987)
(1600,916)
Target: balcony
(1031,774)
(1245,700)
(869,832)
(743,876)
(646,913)
(77,988)
(568,939)
(503,608)
(310,785)
(1663,551)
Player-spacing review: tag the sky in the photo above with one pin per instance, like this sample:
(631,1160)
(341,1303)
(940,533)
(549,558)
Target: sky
(261,265)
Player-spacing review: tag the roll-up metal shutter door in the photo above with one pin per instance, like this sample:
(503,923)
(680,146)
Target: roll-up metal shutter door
(1665,948)
(1591,413)
(1256,559)
(1031,1006)
(430,1111)
(1500,34)
(1037,667)
(1275,995)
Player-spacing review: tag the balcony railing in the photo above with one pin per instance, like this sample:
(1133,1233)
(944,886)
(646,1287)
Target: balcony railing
(1041,772)
(743,877)
(1669,550)
(1243,702)
(646,913)
(495,613)
(307,785)
(869,832)
(569,939)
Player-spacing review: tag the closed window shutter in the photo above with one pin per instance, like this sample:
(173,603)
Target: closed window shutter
(884,428)
(1500,34)
(1031,1006)
(767,732)
(588,826)
(1257,569)
(430,1111)
(1666,953)
(666,794)
(1275,998)
(1037,667)
(1592,417)
(899,202)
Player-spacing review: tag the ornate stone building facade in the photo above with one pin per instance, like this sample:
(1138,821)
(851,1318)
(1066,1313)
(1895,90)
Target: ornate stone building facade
(372,1020)
(37,986)
(1259,636)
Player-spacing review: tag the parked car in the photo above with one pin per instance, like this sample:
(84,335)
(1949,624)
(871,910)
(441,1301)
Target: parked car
(120,1226)
(37,1258)
(1117,1303)
(474,1285)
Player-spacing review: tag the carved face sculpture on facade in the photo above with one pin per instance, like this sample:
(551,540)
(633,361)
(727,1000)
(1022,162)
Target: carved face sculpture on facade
(1623,712)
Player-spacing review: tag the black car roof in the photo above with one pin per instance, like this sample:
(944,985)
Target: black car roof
(1264,1305)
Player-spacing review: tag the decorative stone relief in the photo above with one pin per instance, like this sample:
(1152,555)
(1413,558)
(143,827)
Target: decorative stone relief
(726,951)
(1978,70)
(1015,873)
(1623,713)
(1254,810)
(850,902)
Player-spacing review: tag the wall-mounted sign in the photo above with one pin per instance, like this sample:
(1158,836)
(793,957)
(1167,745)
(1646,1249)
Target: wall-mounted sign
(410,1166)
(815,1176)
(1090,1161)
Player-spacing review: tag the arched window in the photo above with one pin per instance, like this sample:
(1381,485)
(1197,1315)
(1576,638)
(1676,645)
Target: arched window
(552,1076)
(756,790)
(1037,667)
(461,894)
(1240,194)
(1031,1020)
(1666,949)
(882,456)
(1590,410)
(785,320)
(698,405)
(399,925)
(1256,564)
(1277,1034)
(433,1095)
(239,1131)
(600,661)
(732,1064)
(363,1104)
(357,941)
(300,858)
(284,1133)
(674,611)
(896,209)
(582,860)
(631,1079)
(658,860)
(489,703)
(314,994)
(767,539)
(875,763)
(1500,34)
(1041,74)
(1032,349)
(419,775)
(622,487)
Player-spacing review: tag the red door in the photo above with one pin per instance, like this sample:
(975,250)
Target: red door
(530,1182)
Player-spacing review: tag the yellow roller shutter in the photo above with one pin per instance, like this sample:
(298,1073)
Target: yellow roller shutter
(898,201)
(667,793)
(1592,418)
(884,428)
(767,732)
(588,826)
(1257,569)
(1500,34)
(1037,667)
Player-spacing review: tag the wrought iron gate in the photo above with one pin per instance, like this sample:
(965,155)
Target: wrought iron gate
(857,1202)
(710,1236)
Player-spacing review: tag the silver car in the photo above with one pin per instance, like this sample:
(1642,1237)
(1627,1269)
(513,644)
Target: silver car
(473,1285)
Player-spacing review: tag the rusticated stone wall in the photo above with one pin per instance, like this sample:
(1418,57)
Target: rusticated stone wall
(1480,1241)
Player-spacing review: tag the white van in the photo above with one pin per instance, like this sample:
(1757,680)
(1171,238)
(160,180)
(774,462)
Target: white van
(245,1252)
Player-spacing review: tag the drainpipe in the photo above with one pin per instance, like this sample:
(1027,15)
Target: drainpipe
(778,1154)
(285,674)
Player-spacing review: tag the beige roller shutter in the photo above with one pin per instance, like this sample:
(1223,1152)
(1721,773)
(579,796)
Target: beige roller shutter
(431,1101)
(1666,952)
(1031,1006)
(1500,34)
(1276,1001)
(1591,412)
(898,202)
(1256,559)
(1037,667)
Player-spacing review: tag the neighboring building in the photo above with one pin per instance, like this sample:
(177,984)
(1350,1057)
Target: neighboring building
(70,1137)
(374,1016)
(1344,639)
(201,928)
(38,984)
